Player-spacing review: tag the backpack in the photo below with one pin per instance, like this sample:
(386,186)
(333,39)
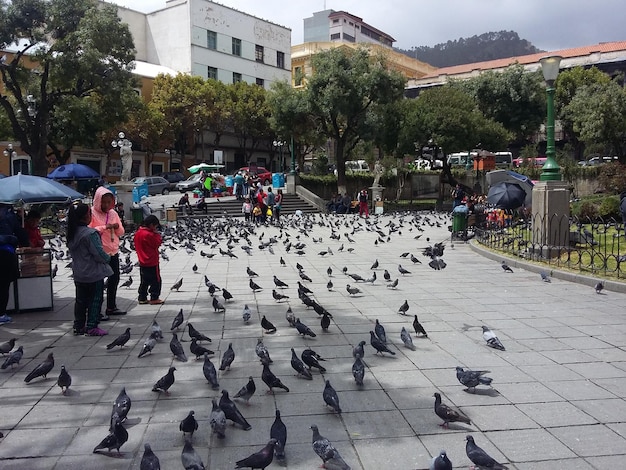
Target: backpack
(362,196)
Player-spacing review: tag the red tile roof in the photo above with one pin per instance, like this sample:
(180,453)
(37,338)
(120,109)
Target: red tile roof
(528,59)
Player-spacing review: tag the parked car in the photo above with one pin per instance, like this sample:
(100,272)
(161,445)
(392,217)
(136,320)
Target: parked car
(356,166)
(538,162)
(261,174)
(174,177)
(594,161)
(191,183)
(156,184)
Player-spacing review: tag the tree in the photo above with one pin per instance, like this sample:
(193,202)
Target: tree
(345,87)
(67,75)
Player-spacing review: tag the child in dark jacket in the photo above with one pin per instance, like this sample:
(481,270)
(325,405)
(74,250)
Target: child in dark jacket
(90,265)
(147,243)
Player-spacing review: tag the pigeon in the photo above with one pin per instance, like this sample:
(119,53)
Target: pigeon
(331,398)
(322,446)
(262,352)
(472,378)
(479,457)
(246,314)
(271,380)
(165,382)
(178,320)
(330,285)
(177,348)
(278,296)
(278,431)
(311,358)
(267,325)
(358,351)
(189,424)
(352,290)
(299,366)
(246,391)
(303,329)
(194,268)
(64,381)
(380,332)
(358,371)
(280,284)
(190,458)
(228,357)
(506,267)
(195,334)
(303,288)
(290,317)
(386,276)
(254,286)
(127,283)
(217,306)
(374,265)
(121,340)
(379,345)
(449,415)
(260,459)
(599,287)
(156,330)
(356,277)
(545,277)
(492,339)
(403,271)
(5,348)
(148,345)
(198,350)
(114,440)
(393,284)
(121,407)
(250,272)
(404,308)
(208,369)
(232,412)
(406,339)
(419,329)
(227,295)
(14,358)
(329,271)
(325,321)
(42,369)
(149,461)
(304,277)
(437,264)
(440,462)
(217,420)
(177,285)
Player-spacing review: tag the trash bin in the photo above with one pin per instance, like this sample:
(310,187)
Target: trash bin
(278,180)
(137,213)
(459,222)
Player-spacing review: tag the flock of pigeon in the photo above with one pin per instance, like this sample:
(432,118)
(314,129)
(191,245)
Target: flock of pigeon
(221,237)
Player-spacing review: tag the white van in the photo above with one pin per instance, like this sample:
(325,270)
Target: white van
(504,160)
(356,166)
(460,159)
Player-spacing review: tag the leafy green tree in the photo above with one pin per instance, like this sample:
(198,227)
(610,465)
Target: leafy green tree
(346,87)
(69,67)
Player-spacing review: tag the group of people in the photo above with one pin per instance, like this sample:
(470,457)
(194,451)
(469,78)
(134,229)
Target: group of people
(343,204)
(260,205)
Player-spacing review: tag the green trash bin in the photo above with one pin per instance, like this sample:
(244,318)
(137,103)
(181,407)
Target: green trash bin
(459,222)
(137,213)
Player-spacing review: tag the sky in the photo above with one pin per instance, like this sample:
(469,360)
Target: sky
(548,25)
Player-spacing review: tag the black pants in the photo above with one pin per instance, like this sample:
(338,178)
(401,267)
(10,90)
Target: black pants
(113,281)
(89,297)
(8,274)
(150,281)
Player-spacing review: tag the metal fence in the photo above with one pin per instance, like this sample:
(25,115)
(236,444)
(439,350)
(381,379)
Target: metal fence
(595,246)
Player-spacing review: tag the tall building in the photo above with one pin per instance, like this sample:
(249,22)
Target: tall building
(341,26)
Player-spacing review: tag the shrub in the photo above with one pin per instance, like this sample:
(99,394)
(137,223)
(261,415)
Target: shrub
(587,210)
(609,208)
(613,177)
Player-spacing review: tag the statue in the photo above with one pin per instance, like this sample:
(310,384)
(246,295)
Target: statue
(378,172)
(126,156)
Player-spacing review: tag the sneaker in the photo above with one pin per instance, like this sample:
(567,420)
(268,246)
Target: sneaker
(157,302)
(5,319)
(96,332)
(103,318)
(115,311)
(79,331)
(143,301)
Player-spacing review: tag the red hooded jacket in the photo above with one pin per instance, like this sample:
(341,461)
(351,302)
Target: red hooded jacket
(147,245)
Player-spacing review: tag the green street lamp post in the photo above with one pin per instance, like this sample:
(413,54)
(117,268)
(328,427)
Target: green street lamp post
(293,159)
(550,68)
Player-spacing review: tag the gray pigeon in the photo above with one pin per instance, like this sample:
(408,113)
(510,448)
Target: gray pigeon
(472,378)
(247,391)
(271,380)
(228,357)
(114,440)
(311,358)
(278,431)
(178,320)
(198,350)
(358,351)
(165,382)
(148,346)
(5,348)
(121,340)
(262,352)
(303,329)
(331,398)
(599,287)
(406,339)
(195,334)
(260,459)
(358,371)
(506,268)
(121,407)
(379,346)
(299,366)
(64,381)
(322,446)
(190,458)
(491,339)
(440,462)
(156,330)
(177,348)
(448,414)
(479,457)
(42,369)
(246,314)
(290,317)
(232,412)
(380,332)
(189,424)
(417,326)
(149,461)
(404,308)
(545,277)
(217,420)
(208,369)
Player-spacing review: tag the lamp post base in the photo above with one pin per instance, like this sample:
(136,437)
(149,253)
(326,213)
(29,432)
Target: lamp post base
(550,217)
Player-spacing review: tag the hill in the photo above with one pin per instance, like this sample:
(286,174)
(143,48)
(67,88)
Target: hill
(487,46)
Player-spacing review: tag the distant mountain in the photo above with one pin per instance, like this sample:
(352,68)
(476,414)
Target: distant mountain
(487,46)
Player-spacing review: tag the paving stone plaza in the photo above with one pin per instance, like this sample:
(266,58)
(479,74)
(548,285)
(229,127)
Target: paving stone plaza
(557,399)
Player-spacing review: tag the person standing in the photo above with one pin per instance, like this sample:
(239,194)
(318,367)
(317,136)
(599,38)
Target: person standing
(107,223)
(363,204)
(144,205)
(90,265)
(12,235)
(31,225)
(270,201)
(246,209)
(147,242)
(458,194)
(238,181)
(278,205)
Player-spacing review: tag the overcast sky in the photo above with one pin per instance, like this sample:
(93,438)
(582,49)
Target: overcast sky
(549,25)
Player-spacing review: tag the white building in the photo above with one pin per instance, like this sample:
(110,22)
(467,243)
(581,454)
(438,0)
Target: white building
(210,40)
(341,26)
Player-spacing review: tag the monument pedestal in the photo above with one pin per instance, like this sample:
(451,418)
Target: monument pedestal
(124,194)
(377,199)
(550,218)
(290,184)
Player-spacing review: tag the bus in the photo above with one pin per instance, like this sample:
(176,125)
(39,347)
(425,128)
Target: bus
(504,160)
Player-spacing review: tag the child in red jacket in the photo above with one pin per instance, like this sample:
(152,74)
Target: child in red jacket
(147,243)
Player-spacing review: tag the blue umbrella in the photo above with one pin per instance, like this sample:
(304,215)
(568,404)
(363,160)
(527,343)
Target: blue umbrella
(27,189)
(506,195)
(73,171)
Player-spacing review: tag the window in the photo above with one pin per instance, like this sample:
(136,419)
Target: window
(280,60)
(335,21)
(236,77)
(212,72)
(335,36)
(259,53)
(237,47)
(211,40)
(348,38)
(155,169)
(260,82)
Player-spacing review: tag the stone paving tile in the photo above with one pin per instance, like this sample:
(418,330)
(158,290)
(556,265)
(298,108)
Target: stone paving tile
(555,414)
(591,441)
(538,444)
(579,390)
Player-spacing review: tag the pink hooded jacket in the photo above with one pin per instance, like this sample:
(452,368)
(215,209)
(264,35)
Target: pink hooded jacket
(99,220)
